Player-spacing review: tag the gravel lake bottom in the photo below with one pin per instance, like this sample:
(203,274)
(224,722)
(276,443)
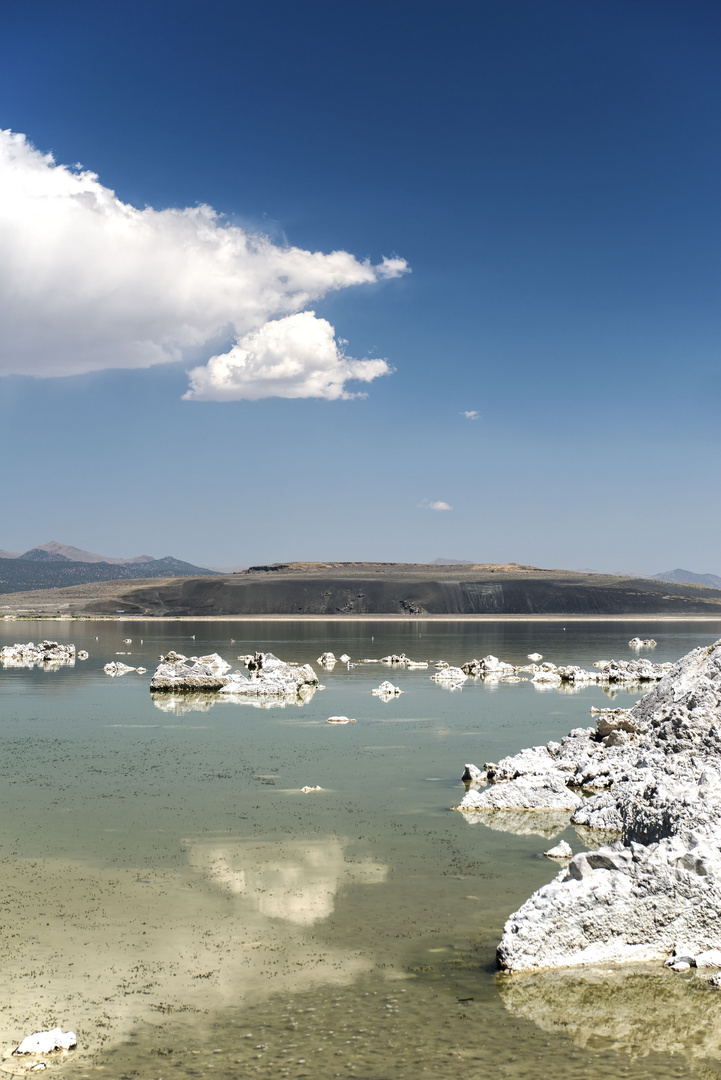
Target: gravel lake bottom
(169,893)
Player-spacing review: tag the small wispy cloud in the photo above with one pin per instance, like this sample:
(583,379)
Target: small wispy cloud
(471,414)
(437,505)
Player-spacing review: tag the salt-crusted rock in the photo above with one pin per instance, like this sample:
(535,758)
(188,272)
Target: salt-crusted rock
(642,643)
(618,904)
(562,850)
(44,1042)
(449,674)
(115,667)
(327,659)
(387,690)
(546,675)
(472,774)
(306,789)
(394,658)
(340,720)
(48,653)
(661,883)
(710,958)
(345,658)
(82,654)
(535,657)
(269,676)
(527,793)
(599,812)
(536,761)
(489,665)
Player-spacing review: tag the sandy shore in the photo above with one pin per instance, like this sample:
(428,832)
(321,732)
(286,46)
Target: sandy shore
(402,619)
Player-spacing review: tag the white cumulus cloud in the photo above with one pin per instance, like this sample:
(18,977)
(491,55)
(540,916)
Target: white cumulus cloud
(294,357)
(437,505)
(88,282)
(471,414)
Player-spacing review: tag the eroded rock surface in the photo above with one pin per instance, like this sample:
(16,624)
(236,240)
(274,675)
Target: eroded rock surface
(547,792)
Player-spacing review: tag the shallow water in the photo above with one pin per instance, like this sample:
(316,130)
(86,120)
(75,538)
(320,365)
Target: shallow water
(170,894)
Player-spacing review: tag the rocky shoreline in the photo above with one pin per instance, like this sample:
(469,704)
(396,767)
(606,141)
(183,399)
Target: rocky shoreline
(653,777)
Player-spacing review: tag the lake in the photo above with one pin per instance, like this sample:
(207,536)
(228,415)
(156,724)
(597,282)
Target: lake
(171,895)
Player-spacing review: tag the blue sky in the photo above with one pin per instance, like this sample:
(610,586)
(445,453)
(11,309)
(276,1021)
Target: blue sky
(542,182)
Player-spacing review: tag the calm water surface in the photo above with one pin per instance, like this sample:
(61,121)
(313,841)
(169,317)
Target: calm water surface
(170,894)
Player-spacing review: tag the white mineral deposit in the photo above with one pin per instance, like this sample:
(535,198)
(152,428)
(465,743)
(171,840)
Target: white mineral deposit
(658,768)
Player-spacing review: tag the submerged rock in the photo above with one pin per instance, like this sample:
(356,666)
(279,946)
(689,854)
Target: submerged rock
(660,764)
(472,774)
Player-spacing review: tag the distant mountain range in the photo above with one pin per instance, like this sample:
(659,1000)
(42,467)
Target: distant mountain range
(713,581)
(60,552)
(681,577)
(53,565)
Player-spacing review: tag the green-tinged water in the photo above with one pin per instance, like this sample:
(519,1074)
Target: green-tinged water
(170,894)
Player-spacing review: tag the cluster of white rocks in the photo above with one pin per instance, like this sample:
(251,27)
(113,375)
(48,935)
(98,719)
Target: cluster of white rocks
(268,676)
(642,643)
(45,652)
(402,660)
(329,660)
(608,671)
(656,887)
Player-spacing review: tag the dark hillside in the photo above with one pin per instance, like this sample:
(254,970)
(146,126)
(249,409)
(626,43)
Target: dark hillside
(380,589)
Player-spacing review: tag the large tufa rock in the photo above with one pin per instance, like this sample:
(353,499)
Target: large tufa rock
(268,676)
(178,672)
(661,883)
(271,677)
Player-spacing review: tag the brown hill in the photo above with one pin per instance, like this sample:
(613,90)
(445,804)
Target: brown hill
(376,589)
